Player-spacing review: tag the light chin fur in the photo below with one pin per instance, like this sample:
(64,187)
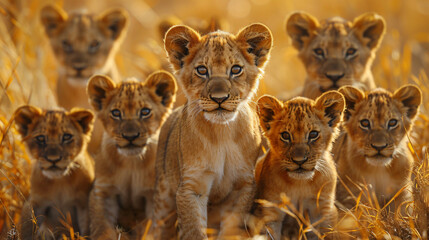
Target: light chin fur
(132,151)
(77,82)
(220,117)
(379,161)
(307,175)
(55,174)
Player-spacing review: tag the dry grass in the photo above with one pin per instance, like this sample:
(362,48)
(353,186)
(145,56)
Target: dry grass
(27,75)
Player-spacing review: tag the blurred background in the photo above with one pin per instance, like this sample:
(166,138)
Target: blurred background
(28,67)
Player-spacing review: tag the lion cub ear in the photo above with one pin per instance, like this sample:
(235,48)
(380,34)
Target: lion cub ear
(268,106)
(257,40)
(113,22)
(352,96)
(332,104)
(411,98)
(177,42)
(163,84)
(300,26)
(369,28)
(166,24)
(24,117)
(53,19)
(84,118)
(98,88)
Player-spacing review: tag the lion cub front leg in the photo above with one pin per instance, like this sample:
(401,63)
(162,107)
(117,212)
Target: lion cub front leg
(103,215)
(191,199)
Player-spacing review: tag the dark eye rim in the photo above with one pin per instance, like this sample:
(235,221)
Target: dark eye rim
(92,47)
(394,125)
(40,138)
(321,54)
(202,74)
(67,137)
(351,54)
(239,72)
(116,115)
(361,122)
(145,115)
(315,137)
(288,139)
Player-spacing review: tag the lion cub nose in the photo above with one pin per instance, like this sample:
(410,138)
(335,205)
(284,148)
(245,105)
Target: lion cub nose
(130,136)
(53,158)
(300,161)
(219,97)
(379,146)
(334,76)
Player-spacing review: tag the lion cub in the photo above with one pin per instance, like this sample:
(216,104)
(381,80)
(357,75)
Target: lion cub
(208,147)
(336,52)
(372,151)
(62,173)
(300,132)
(132,113)
(84,45)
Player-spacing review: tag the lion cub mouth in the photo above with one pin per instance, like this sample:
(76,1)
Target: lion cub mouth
(132,149)
(378,160)
(301,173)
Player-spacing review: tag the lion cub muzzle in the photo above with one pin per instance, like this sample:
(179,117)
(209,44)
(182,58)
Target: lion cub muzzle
(219,90)
(334,70)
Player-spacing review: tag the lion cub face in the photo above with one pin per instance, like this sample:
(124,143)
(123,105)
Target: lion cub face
(336,52)
(218,71)
(83,43)
(54,138)
(377,121)
(300,131)
(132,112)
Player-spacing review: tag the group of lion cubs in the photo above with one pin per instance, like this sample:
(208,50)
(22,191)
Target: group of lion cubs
(197,165)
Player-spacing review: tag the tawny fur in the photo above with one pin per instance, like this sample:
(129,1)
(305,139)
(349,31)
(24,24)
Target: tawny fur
(205,155)
(336,52)
(84,45)
(125,167)
(312,189)
(383,171)
(62,193)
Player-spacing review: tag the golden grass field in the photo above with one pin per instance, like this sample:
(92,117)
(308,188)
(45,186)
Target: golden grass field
(28,75)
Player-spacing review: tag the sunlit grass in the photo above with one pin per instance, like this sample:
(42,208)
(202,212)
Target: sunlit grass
(28,75)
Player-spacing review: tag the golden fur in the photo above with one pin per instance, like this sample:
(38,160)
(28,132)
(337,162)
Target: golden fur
(372,152)
(84,45)
(336,52)
(209,146)
(132,114)
(62,173)
(299,163)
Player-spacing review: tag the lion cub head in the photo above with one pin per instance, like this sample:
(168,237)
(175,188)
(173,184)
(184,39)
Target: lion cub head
(132,112)
(336,52)
(377,122)
(218,71)
(300,131)
(53,137)
(84,44)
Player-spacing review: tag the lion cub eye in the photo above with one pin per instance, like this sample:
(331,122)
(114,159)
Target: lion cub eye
(67,137)
(285,136)
(313,135)
(145,112)
(319,52)
(365,124)
(202,71)
(116,113)
(40,139)
(351,52)
(392,123)
(94,46)
(67,47)
(235,70)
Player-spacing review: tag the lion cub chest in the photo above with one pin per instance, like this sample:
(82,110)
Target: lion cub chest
(227,163)
(134,184)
